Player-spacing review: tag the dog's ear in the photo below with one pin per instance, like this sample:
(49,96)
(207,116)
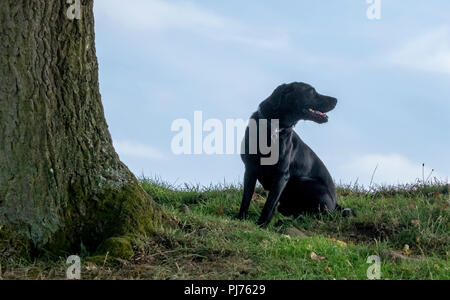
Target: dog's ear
(271,105)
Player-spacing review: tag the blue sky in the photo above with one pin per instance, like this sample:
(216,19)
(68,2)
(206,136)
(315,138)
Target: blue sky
(161,60)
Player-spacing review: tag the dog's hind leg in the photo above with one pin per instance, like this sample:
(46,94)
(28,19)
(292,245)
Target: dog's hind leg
(303,196)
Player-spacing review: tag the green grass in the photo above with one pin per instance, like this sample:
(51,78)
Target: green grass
(208,242)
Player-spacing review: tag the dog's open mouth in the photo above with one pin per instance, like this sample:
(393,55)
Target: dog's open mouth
(317,116)
(319,113)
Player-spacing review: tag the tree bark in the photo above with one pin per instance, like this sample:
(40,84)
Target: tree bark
(61,181)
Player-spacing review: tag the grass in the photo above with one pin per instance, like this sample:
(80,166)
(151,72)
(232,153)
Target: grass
(406,226)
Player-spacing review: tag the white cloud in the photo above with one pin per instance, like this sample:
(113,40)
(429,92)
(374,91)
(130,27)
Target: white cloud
(158,14)
(137,150)
(390,169)
(428,52)
(162,15)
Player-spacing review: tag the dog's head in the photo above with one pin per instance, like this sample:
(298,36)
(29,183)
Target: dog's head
(297,101)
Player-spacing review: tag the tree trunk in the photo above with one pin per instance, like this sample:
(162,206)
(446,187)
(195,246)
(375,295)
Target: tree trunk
(61,181)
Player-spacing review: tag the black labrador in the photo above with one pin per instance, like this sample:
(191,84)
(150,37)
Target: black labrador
(298,181)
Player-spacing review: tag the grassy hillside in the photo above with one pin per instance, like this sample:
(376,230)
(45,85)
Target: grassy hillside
(408,227)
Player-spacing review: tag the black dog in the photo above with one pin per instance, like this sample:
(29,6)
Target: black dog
(299,181)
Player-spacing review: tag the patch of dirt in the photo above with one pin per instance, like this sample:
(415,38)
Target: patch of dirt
(369,232)
(397,256)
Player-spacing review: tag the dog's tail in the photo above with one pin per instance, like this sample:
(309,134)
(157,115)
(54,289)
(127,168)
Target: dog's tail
(345,212)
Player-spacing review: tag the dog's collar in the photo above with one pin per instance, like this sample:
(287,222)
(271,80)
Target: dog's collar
(281,130)
(278,130)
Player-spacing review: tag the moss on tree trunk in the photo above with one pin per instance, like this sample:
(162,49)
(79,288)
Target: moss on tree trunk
(61,181)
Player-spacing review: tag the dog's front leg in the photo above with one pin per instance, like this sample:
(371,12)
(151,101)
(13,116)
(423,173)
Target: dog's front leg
(249,189)
(274,196)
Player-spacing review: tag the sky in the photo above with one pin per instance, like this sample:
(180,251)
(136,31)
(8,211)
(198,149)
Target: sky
(162,60)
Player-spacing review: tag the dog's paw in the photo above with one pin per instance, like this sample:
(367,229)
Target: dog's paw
(348,212)
(262,223)
(242,216)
